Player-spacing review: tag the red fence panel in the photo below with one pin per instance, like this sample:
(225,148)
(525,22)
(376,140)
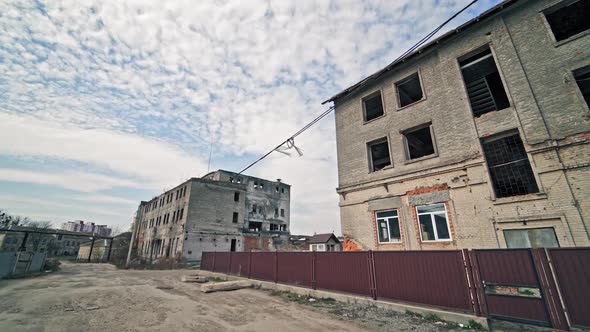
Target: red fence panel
(207,261)
(240,264)
(435,278)
(263,266)
(346,272)
(295,268)
(222,261)
(572,268)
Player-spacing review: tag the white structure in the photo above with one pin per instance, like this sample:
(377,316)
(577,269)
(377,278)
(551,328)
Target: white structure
(81,226)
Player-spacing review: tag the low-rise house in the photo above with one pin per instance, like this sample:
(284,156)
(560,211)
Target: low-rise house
(324,242)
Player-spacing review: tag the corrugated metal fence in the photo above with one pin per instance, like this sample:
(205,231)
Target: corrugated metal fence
(456,280)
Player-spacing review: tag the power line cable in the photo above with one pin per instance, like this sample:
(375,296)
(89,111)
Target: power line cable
(329,110)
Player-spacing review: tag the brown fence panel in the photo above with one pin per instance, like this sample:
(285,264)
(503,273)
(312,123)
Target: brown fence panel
(222,261)
(572,268)
(207,261)
(263,266)
(511,268)
(346,272)
(240,264)
(295,268)
(435,278)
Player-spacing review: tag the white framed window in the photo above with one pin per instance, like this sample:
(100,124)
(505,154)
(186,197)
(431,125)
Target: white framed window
(434,223)
(388,230)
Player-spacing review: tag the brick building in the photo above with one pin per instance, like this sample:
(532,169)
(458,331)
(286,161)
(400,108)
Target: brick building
(222,211)
(479,139)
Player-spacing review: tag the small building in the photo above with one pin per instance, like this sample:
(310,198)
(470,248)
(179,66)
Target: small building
(324,242)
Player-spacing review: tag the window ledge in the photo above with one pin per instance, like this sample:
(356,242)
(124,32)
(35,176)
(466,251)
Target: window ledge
(383,169)
(410,105)
(375,119)
(572,38)
(437,241)
(520,198)
(386,243)
(411,161)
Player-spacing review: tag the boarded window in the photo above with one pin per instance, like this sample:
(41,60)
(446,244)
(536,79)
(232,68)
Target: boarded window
(373,106)
(531,238)
(484,85)
(419,142)
(378,154)
(409,90)
(570,20)
(582,77)
(509,166)
(235,218)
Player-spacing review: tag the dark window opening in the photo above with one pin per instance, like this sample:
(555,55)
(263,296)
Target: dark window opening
(484,85)
(276,212)
(254,208)
(282,190)
(274,227)
(373,106)
(569,20)
(235,218)
(419,143)
(510,169)
(582,77)
(379,154)
(233,245)
(255,226)
(409,90)
(236,197)
(282,212)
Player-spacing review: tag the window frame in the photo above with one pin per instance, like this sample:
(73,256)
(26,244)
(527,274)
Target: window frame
(527,230)
(370,154)
(407,148)
(388,229)
(363,108)
(551,8)
(446,213)
(583,70)
(404,80)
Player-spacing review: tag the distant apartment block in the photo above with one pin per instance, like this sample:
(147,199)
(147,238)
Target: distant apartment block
(479,139)
(222,211)
(86,227)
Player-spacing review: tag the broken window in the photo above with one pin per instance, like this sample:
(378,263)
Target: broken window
(236,196)
(255,185)
(276,212)
(372,106)
(570,20)
(282,190)
(409,90)
(282,212)
(434,225)
(254,208)
(276,189)
(235,218)
(531,238)
(274,227)
(582,77)
(255,226)
(484,85)
(388,226)
(509,166)
(379,154)
(419,142)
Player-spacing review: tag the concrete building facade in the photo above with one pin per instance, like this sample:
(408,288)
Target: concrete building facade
(222,211)
(86,227)
(479,139)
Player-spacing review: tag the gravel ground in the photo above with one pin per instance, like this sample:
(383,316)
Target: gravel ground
(98,297)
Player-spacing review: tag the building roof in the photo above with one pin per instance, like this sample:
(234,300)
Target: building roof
(434,43)
(322,238)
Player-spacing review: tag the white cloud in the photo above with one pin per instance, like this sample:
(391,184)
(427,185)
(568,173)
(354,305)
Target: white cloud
(131,86)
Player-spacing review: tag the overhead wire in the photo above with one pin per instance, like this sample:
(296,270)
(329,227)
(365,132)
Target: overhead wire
(330,109)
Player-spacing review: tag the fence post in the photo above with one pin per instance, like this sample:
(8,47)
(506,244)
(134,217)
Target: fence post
(549,289)
(231,254)
(470,282)
(276,267)
(313,271)
(372,275)
(249,263)
(479,291)
(214,256)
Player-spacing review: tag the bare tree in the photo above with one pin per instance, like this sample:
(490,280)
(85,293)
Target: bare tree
(36,238)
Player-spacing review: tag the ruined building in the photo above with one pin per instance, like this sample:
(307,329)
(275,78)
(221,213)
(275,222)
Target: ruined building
(222,211)
(479,139)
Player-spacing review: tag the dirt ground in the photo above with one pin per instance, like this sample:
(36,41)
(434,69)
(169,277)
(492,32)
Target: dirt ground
(98,297)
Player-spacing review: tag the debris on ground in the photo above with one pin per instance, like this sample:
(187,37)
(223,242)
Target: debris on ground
(194,278)
(225,286)
(164,287)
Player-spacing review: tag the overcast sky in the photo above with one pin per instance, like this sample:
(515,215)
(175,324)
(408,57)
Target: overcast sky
(106,103)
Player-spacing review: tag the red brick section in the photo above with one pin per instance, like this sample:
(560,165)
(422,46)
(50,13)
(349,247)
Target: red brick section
(256,243)
(350,245)
(425,190)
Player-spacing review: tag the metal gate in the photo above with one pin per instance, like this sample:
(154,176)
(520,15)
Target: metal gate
(516,285)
